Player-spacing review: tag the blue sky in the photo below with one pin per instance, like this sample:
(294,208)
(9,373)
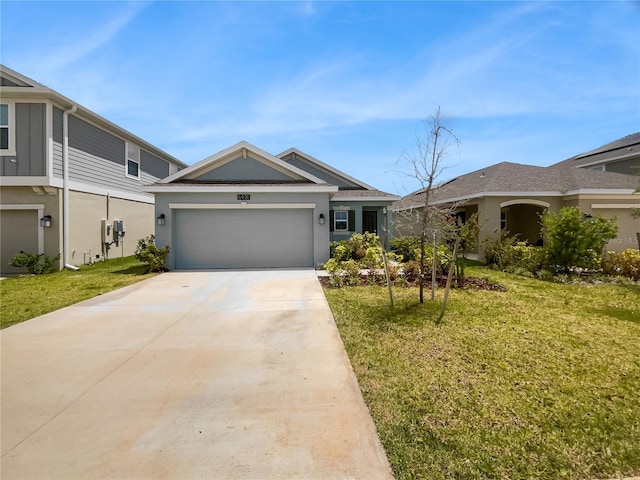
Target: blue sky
(347,82)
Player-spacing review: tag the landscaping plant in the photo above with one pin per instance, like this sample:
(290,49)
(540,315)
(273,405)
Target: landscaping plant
(36,264)
(152,256)
(573,240)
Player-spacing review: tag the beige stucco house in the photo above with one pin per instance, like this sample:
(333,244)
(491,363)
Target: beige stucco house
(510,197)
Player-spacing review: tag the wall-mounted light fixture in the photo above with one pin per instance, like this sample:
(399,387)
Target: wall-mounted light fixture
(384,210)
(321,219)
(45,221)
(161,219)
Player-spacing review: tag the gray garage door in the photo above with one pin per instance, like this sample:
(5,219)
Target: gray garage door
(18,231)
(243,238)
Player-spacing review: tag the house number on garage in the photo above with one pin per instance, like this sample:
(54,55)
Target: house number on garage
(244,196)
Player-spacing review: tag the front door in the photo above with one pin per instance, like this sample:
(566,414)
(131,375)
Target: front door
(370,221)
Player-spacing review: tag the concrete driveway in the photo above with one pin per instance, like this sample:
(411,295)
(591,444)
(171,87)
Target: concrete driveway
(223,374)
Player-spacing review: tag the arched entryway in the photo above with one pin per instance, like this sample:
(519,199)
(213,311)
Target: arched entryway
(521,217)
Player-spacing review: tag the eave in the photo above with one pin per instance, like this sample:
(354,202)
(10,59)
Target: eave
(240,188)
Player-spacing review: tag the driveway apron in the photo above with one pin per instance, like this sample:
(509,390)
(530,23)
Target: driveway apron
(205,374)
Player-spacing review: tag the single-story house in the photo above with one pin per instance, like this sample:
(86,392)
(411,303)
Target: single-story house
(510,197)
(71,182)
(245,208)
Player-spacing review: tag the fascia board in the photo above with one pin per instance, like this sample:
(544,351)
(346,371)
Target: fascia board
(102,190)
(365,199)
(223,154)
(20,77)
(22,181)
(591,191)
(240,188)
(525,194)
(325,166)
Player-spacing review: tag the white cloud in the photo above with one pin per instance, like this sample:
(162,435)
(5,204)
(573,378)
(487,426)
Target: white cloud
(84,42)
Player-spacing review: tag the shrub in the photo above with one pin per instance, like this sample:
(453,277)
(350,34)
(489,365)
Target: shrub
(405,248)
(573,240)
(342,251)
(373,257)
(154,257)
(36,264)
(352,271)
(626,264)
(411,270)
(512,256)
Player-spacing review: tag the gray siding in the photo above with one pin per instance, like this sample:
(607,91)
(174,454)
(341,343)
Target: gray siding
(57,142)
(87,168)
(242,169)
(154,166)
(57,125)
(30,158)
(94,141)
(57,160)
(330,179)
(5,82)
(91,147)
(630,167)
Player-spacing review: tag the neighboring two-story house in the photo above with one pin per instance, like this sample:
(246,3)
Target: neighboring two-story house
(71,182)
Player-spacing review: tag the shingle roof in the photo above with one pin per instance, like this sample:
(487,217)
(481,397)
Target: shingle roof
(364,194)
(507,178)
(624,147)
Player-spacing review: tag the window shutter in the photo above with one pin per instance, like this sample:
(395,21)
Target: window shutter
(331,219)
(352,220)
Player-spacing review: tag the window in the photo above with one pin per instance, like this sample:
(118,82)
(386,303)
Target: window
(6,129)
(503,220)
(133,161)
(341,221)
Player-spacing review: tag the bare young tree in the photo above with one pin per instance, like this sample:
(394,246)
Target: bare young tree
(420,214)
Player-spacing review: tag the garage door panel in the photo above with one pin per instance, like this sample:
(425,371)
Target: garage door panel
(263,238)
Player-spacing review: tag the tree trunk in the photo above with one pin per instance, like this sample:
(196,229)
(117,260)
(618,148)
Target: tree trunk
(449,277)
(421,279)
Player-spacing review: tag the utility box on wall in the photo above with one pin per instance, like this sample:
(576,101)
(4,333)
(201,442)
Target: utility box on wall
(118,231)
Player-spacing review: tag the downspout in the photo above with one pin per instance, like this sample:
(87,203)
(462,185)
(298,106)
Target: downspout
(65,188)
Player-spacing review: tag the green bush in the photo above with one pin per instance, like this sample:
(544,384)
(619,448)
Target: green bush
(364,248)
(625,264)
(512,256)
(352,271)
(152,256)
(405,248)
(36,264)
(573,240)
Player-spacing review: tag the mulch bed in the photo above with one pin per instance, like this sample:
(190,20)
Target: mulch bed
(469,283)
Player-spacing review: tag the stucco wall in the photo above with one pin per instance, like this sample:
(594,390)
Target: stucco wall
(619,207)
(85,214)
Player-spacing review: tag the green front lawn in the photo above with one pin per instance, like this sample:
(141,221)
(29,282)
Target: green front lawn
(541,381)
(25,297)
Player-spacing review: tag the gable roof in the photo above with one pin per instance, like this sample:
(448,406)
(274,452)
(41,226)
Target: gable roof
(509,179)
(20,86)
(229,154)
(305,157)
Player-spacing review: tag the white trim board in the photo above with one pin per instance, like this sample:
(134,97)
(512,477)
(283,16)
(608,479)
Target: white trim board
(239,206)
(241,188)
(615,205)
